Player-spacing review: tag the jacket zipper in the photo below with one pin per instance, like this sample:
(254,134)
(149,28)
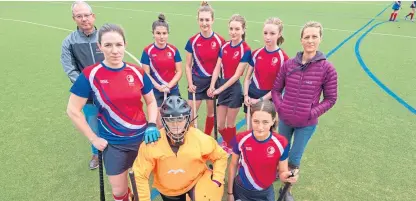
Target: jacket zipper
(92,54)
(297,97)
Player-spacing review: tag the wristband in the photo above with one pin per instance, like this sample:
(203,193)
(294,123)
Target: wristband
(229,193)
(150,124)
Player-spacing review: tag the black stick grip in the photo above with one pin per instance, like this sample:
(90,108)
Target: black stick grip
(215,119)
(133,185)
(100,170)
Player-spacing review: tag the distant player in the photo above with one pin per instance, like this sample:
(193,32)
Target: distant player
(118,89)
(265,64)
(396,7)
(162,62)
(201,57)
(234,57)
(258,155)
(412,12)
(178,160)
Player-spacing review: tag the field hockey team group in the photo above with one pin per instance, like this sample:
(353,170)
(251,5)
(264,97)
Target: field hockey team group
(281,98)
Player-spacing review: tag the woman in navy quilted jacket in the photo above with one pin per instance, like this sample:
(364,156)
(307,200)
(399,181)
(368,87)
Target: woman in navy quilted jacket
(304,78)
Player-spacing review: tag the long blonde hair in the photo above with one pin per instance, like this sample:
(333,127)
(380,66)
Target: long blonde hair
(279,23)
(242,20)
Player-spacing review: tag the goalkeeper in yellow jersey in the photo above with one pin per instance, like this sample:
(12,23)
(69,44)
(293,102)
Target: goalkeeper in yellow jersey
(178,159)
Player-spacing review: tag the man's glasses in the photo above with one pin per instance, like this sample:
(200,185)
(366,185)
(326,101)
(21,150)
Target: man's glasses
(81,16)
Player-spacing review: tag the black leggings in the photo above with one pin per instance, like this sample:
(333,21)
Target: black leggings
(179,197)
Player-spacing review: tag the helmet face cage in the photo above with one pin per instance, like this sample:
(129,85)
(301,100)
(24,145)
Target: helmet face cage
(176,138)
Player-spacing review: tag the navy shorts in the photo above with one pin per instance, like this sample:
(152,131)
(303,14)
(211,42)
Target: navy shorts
(253,92)
(119,157)
(160,96)
(202,85)
(232,97)
(412,6)
(243,194)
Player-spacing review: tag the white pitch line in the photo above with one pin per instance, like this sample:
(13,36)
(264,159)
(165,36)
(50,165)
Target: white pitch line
(290,25)
(63,29)
(187,15)
(256,22)
(34,23)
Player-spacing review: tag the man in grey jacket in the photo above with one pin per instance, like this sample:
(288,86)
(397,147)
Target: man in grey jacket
(79,50)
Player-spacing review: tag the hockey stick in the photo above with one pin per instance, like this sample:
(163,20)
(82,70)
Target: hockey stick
(284,191)
(133,185)
(194,108)
(100,169)
(248,117)
(286,187)
(215,119)
(134,58)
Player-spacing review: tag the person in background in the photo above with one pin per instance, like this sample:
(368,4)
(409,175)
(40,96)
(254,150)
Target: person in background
(79,50)
(162,62)
(201,58)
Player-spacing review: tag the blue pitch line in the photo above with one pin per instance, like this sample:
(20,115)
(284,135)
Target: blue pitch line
(372,76)
(331,52)
(356,32)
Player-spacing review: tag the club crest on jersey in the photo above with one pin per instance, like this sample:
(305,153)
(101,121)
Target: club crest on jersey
(236,54)
(213,45)
(274,61)
(270,150)
(169,54)
(130,79)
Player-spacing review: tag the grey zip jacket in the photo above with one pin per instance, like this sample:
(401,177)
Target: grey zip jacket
(78,52)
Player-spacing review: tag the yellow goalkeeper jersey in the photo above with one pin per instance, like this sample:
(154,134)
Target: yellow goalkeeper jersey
(175,174)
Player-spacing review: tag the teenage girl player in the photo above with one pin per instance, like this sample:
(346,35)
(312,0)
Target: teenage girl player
(162,62)
(234,56)
(265,64)
(202,55)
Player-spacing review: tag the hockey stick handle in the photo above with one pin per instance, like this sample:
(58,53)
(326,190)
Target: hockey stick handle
(215,119)
(194,109)
(285,188)
(248,117)
(133,185)
(100,170)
